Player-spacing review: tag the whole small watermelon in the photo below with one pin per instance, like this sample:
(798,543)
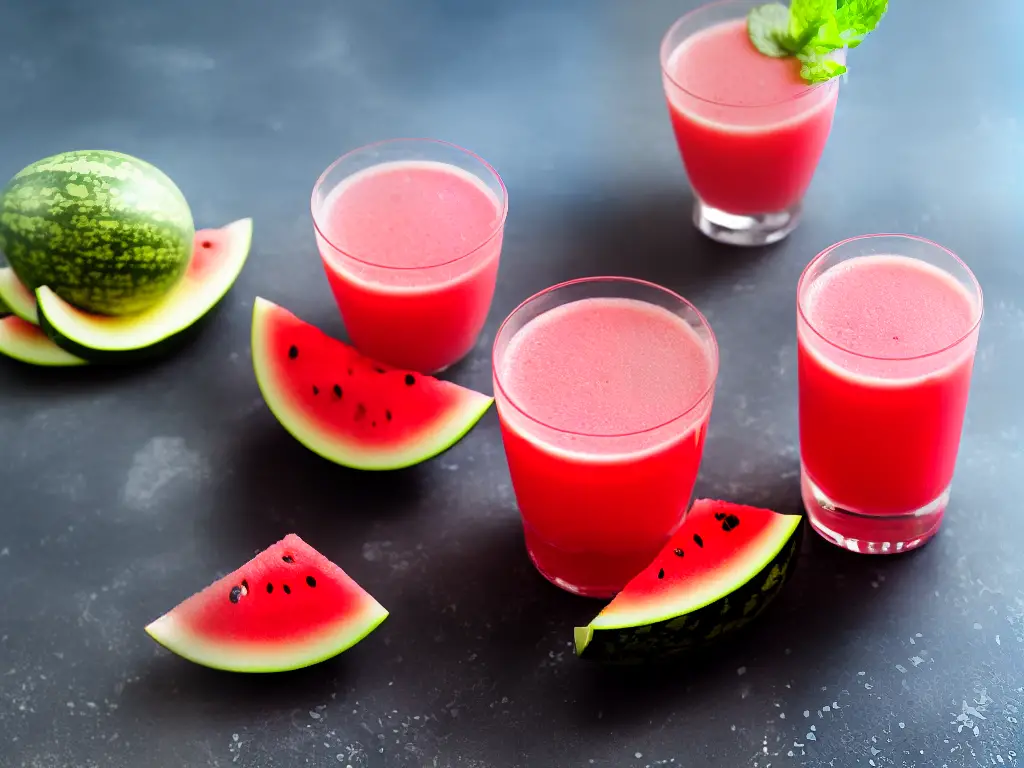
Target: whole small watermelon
(107,232)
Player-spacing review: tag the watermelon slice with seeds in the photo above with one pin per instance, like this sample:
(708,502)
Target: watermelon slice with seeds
(288,607)
(349,408)
(715,576)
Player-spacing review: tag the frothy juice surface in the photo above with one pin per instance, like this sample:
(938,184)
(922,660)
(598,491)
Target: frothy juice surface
(882,406)
(616,397)
(411,251)
(750,130)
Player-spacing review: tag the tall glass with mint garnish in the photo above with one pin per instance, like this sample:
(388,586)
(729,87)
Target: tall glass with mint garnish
(752,90)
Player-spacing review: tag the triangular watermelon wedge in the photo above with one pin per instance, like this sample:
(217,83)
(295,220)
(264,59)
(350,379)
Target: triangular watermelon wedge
(348,408)
(288,607)
(715,575)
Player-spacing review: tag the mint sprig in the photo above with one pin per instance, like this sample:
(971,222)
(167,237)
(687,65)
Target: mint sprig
(812,30)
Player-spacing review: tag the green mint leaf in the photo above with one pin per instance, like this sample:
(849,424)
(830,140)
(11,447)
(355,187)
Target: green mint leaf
(807,16)
(819,70)
(768,27)
(856,18)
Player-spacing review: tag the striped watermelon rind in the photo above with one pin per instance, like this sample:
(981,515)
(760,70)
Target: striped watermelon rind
(107,232)
(98,338)
(717,574)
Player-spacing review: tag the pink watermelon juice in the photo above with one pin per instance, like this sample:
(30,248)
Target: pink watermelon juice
(749,129)
(410,234)
(886,347)
(604,388)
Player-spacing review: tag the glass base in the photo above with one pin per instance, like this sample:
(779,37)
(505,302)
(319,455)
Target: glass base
(588,574)
(871,534)
(753,230)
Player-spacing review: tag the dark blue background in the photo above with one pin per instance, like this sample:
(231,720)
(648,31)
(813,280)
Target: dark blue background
(123,492)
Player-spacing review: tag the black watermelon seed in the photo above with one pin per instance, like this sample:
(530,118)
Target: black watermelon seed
(661,573)
(288,559)
(235,594)
(698,540)
(311,581)
(678,552)
(337,391)
(316,390)
(730,522)
(387,415)
(410,379)
(293,351)
(719,515)
(360,412)
(270,588)
(287,589)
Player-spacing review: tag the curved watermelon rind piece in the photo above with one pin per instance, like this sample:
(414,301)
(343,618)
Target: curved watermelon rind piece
(443,435)
(625,634)
(149,333)
(244,657)
(18,299)
(27,343)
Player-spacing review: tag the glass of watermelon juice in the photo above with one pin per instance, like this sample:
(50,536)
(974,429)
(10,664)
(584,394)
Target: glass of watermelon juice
(604,388)
(887,327)
(410,234)
(750,130)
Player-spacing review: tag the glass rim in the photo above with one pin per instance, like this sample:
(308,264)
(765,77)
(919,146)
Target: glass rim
(419,141)
(803,285)
(665,54)
(608,279)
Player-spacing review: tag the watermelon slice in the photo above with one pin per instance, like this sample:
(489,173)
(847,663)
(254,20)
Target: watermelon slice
(348,408)
(718,572)
(288,607)
(28,343)
(218,256)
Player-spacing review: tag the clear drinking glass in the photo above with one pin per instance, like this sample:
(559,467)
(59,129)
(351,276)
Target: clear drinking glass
(604,388)
(750,131)
(885,367)
(410,234)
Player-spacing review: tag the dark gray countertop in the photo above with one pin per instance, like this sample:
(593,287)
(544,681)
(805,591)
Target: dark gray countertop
(121,492)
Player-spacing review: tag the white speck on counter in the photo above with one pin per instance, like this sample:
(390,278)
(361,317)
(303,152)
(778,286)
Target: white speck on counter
(638,755)
(901,668)
(807,713)
(741,671)
(977,625)
(916,661)
(903,725)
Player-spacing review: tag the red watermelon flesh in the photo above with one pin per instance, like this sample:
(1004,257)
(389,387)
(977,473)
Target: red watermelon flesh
(349,408)
(716,573)
(288,607)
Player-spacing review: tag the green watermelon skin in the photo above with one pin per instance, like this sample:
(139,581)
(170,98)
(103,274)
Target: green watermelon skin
(107,232)
(668,634)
